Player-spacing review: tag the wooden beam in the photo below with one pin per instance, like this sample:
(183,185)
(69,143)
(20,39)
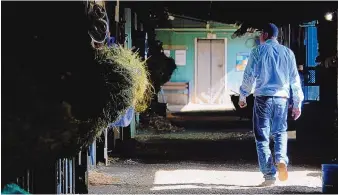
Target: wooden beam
(175,47)
(175,83)
(178,87)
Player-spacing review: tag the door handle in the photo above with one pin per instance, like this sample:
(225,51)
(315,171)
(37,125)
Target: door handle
(220,65)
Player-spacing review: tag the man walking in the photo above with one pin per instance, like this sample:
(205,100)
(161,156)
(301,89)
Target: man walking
(273,67)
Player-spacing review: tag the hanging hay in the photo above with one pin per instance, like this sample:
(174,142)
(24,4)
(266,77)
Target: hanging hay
(91,98)
(60,93)
(131,62)
(36,128)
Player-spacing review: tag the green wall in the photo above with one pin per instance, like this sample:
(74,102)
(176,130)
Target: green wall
(186,73)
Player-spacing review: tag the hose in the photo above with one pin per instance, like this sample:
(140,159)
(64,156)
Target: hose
(98,29)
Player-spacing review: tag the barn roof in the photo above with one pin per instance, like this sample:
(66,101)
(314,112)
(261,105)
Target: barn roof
(250,14)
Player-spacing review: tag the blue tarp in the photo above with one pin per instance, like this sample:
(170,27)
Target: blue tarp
(13,189)
(125,120)
(110,41)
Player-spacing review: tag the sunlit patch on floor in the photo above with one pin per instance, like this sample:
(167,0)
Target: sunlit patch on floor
(210,179)
(201,107)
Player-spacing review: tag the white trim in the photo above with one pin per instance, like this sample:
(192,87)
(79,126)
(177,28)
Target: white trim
(226,65)
(195,71)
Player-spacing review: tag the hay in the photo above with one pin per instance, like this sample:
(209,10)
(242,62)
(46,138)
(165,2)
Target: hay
(139,76)
(59,93)
(52,129)
(91,97)
(156,123)
(36,128)
(96,178)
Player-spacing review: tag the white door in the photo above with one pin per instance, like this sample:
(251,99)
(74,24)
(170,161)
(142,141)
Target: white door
(210,72)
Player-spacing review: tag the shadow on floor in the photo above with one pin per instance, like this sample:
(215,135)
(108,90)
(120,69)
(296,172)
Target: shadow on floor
(159,151)
(314,174)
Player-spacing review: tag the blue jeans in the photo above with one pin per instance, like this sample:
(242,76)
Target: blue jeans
(270,118)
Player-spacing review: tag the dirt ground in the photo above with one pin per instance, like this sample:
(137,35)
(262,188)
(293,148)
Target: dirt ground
(207,158)
(137,177)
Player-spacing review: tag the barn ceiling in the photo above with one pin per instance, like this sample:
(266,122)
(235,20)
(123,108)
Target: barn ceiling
(248,13)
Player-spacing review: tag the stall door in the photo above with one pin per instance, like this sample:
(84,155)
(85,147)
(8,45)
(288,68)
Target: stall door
(210,78)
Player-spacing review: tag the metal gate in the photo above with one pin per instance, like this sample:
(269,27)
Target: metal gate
(65,176)
(69,176)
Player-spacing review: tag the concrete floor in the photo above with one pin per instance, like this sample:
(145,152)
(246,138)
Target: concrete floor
(201,178)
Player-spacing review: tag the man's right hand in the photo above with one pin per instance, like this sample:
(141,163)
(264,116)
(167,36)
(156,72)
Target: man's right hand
(295,113)
(242,104)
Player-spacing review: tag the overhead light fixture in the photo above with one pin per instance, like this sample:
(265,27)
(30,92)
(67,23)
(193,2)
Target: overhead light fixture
(171,17)
(329,16)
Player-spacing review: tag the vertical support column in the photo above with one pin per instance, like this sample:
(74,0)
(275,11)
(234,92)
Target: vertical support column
(81,168)
(328,87)
(289,36)
(59,180)
(28,181)
(74,175)
(337,54)
(135,22)
(337,29)
(133,127)
(106,146)
(66,175)
(63,181)
(70,166)
(128,31)
(137,119)
(146,44)
(128,18)
(93,155)
(117,20)
(117,135)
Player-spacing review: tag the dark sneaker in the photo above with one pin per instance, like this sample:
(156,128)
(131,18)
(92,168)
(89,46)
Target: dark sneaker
(267,183)
(282,171)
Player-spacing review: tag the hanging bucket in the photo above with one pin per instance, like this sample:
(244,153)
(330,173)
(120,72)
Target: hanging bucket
(330,178)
